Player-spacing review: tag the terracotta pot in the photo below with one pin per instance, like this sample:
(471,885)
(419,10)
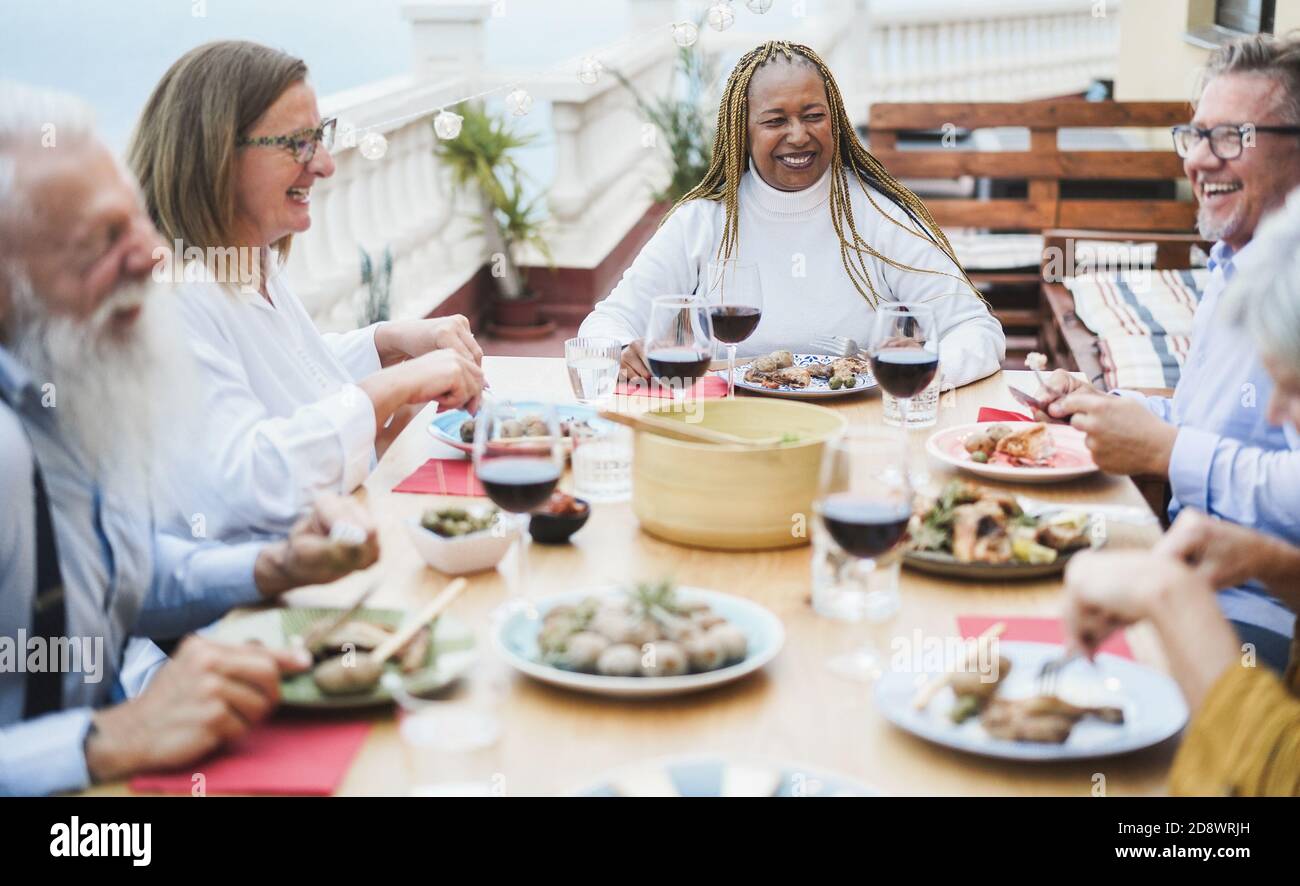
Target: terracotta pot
(521,312)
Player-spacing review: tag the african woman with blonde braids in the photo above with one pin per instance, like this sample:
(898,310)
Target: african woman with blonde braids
(792,189)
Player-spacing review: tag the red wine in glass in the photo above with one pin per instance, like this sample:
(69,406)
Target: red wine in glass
(518,483)
(678,363)
(865,527)
(734,323)
(904,372)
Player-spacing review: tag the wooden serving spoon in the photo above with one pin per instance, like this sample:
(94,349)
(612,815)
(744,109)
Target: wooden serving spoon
(681,431)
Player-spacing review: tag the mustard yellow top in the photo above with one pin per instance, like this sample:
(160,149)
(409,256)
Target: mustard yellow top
(1245,739)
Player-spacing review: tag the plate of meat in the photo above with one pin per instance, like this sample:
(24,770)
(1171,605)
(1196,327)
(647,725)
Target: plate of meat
(991,702)
(804,376)
(969,531)
(1016,452)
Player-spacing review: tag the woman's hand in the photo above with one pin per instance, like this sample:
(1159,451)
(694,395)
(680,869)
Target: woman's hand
(1108,591)
(1225,553)
(1105,592)
(403,339)
(633,364)
(446,377)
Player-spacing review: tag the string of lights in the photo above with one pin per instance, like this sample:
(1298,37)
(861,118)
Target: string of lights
(720,16)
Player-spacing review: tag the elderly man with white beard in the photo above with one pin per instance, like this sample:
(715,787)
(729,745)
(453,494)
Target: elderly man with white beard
(88,381)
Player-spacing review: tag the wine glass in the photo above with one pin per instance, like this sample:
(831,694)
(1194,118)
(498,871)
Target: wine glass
(678,341)
(518,457)
(863,505)
(735,298)
(903,347)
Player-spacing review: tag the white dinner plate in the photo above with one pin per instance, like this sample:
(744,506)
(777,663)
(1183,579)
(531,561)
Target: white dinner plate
(819,389)
(515,637)
(1153,707)
(948,445)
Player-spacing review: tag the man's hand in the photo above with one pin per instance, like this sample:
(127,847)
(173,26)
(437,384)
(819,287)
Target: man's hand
(633,365)
(1060,384)
(1107,591)
(209,694)
(1123,435)
(404,339)
(335,538)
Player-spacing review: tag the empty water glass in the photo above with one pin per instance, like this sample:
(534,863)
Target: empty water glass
(593,368)
(602,462)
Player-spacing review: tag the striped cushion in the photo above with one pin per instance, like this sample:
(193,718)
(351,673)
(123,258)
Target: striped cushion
(1140,302)
(1142,361)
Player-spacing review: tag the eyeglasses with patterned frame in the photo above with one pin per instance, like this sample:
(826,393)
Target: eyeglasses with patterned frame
(301,144)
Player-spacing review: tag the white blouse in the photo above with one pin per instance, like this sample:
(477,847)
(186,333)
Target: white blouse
(283,419)
(806,290)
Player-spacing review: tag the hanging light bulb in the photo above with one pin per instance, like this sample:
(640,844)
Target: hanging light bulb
(519,102)
(447,124)
(685,33)
(758,7)
(721,16)
(589,70)
(373,146)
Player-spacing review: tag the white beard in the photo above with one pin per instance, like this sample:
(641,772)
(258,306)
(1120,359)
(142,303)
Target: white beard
(1214,232)
(119,399)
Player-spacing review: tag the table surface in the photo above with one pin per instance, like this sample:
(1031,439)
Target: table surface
(795,710)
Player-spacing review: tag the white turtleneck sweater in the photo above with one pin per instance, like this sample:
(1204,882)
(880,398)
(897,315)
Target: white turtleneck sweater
(806,290)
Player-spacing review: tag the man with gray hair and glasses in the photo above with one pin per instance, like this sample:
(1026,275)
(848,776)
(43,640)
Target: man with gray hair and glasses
(93,391)
(1212,439)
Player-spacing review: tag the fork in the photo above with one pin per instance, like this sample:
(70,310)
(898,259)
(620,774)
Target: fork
(837,345)
(1049,674)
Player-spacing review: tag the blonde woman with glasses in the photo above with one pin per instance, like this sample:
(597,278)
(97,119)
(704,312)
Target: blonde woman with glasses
(227,151)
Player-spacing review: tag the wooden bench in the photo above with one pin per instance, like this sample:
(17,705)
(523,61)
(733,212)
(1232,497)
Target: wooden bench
(1071,189)
(1066,341)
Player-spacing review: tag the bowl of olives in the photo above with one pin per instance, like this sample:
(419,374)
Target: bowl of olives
(457,541)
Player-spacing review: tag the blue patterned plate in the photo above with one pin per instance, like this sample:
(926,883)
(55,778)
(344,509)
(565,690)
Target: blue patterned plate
(445,427)
(818,389)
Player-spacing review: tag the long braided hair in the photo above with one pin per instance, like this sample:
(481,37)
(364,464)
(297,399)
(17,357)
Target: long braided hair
(721,183)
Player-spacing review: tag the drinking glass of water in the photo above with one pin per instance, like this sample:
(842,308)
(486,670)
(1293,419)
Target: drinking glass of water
(602,462)
(593,368)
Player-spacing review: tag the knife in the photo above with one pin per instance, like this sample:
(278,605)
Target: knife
(1026,400)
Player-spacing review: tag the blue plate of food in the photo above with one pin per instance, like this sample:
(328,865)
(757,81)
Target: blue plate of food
(804,376)
(456,427)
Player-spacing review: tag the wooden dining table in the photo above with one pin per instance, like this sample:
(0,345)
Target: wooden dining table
(795,710)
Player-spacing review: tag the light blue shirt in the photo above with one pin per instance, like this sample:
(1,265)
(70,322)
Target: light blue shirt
(120,579)
(1228,460)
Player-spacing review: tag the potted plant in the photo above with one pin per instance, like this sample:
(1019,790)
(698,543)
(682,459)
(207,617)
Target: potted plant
(482,161)
(684,118)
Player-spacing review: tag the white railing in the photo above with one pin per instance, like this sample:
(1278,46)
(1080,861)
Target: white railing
(607,162)
(1010,50)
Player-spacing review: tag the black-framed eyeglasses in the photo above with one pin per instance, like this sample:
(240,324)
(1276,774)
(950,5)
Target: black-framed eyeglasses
(302,144)
(1226,139)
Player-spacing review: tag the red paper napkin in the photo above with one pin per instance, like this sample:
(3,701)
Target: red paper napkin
(710,387)
(443,476)
(279,757)
(1035,630)
(988,413)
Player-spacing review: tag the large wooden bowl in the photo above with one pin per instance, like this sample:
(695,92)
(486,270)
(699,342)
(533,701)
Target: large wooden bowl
(733,497)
